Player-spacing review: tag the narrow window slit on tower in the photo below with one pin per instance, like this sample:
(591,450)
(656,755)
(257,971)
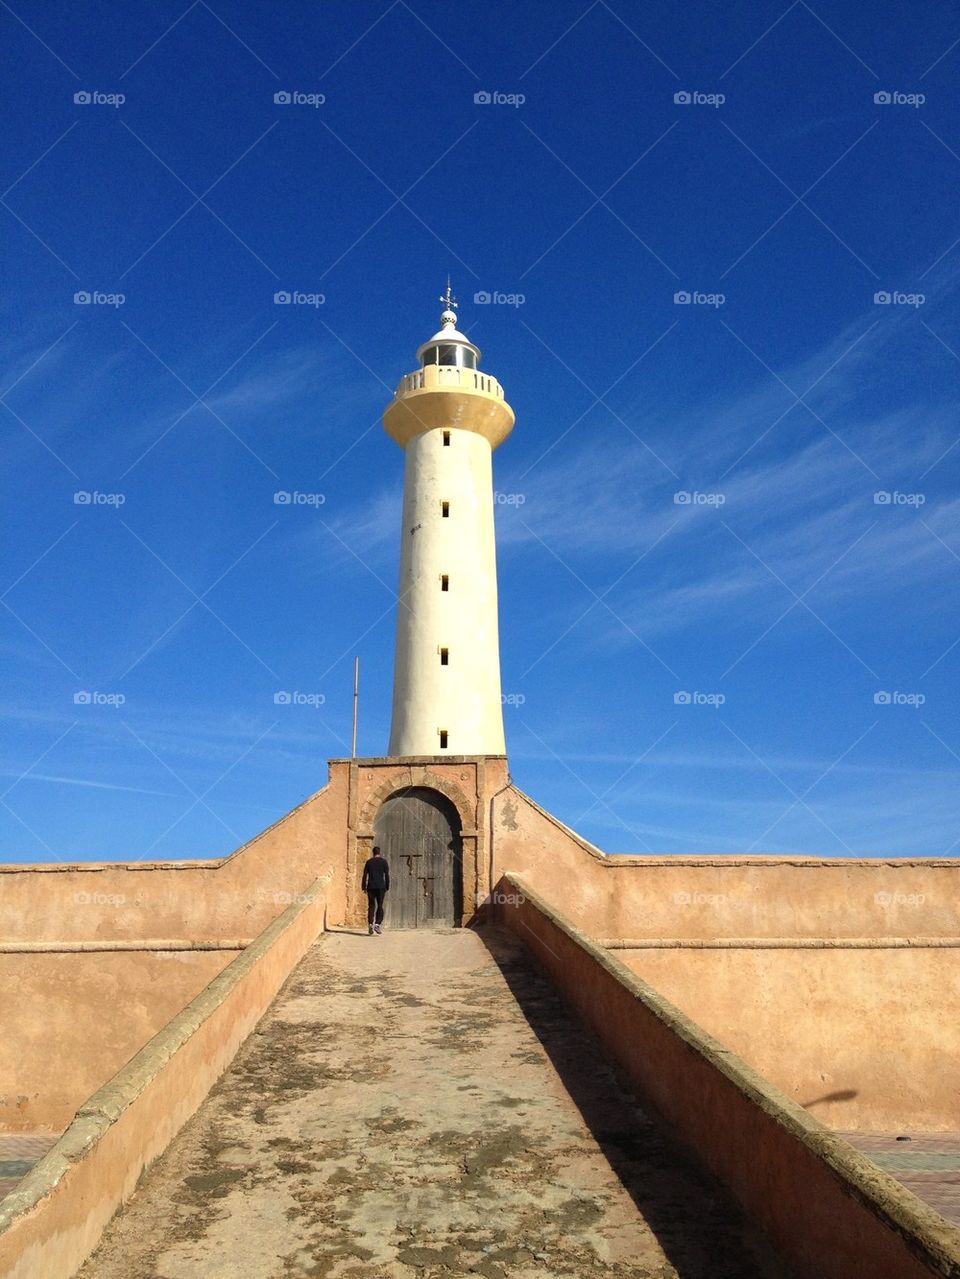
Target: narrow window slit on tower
(443,739)
(444,657)
(444,582)
(445,510)
(446,439)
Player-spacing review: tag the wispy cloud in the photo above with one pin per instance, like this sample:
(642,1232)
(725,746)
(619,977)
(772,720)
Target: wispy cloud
(370,529)
(871,811)
(85,781)
(267,382)
(792,513)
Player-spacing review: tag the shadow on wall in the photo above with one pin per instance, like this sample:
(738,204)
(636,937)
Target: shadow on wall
(701,1230)
(844,1094)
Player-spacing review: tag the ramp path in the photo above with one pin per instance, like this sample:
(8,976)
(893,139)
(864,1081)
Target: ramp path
(423,1104)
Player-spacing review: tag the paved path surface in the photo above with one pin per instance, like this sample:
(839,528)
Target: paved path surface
(421,1104)
(928,1164)
(19,1151)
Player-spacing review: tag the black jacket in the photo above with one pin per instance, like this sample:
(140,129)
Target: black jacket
(376,875)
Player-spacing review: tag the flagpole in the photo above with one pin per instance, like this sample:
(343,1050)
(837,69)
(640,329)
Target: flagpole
(356,694)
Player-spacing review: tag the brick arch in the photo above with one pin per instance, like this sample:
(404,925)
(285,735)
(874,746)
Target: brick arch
(450,790)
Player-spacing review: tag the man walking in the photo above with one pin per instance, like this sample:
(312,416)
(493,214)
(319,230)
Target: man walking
(375,883)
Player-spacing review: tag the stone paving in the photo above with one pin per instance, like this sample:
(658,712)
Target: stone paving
(19,1151)
(417,1105)
(928,1164)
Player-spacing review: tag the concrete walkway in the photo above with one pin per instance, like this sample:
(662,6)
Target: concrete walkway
(422,1104)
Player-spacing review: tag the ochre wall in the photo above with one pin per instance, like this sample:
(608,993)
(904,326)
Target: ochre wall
(234,898)
(867,1006)
(857,1011)
(723,896)
(826,1207)
(54,1218)
(882,1025)
(610,897)
(231,898)
(70,1021)
(567,869)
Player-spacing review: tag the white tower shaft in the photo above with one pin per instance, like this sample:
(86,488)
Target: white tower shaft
(448,417)
(447,673)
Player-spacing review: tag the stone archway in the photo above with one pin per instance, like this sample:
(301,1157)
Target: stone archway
(418,830)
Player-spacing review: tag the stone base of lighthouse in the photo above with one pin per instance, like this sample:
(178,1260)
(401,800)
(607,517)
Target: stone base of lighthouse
(432,819)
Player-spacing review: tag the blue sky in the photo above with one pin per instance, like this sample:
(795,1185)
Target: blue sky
(783,397)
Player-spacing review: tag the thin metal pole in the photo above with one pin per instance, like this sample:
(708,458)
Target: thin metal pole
(356,694)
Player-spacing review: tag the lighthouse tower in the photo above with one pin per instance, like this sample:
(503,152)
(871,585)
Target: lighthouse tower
(448,417)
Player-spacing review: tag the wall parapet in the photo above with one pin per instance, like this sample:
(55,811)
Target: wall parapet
(54,1219)
(733,896)
(780,943)
(151,945)
(827,1207)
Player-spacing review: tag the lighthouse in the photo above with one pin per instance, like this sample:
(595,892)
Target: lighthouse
(448,417)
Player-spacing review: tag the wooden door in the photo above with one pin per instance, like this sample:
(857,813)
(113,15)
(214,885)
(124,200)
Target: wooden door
(418,831)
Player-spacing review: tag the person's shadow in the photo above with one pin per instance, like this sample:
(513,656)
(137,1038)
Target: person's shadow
(699,1226)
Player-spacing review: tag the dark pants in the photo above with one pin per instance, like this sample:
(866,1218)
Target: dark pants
(375,898)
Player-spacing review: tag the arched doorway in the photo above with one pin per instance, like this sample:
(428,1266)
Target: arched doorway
(418,831)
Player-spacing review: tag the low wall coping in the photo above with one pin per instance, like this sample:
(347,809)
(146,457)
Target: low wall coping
(903,1211)
(101,947)
(64,868)
(780,943)
(839,862)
